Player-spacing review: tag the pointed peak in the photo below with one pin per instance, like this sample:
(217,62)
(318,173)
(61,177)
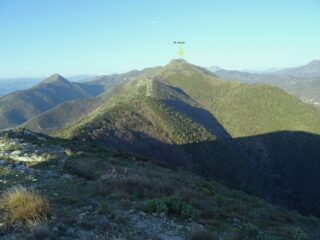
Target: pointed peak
(55,78)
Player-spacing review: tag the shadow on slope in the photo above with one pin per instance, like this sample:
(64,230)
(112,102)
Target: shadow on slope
(281,167)
(287,166)
(201,116)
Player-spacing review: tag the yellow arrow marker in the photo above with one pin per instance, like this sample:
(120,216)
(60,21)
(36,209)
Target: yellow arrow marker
(181,51)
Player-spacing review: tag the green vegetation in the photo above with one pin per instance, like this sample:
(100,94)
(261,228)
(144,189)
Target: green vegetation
(172,205)
(133,111)
(244,109)
(178,127)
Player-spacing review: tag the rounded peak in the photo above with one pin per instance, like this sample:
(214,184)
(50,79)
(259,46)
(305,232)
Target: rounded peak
(177,60)
(179,63)
(314,63)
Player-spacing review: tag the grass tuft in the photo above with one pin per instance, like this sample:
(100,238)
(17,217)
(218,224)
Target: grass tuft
(24,205)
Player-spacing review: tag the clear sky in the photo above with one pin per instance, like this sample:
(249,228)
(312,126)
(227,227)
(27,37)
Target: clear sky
(41,37)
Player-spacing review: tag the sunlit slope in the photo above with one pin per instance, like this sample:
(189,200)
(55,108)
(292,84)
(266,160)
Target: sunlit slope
(243,109)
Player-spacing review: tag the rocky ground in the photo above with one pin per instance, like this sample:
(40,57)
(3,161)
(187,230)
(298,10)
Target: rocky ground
(39,166)
(103,194)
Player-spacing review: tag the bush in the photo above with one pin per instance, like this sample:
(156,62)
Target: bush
(81,167)
(200,201)
(172,205)
(25,205)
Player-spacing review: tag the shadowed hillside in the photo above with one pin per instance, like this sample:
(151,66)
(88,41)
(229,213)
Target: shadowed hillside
(131,196)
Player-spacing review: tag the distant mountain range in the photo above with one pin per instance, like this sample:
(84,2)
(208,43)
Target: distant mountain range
(310,70)
(214,68)
(303,82)
(8,85)
(19,106)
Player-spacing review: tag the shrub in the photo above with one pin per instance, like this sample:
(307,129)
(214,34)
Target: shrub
(81,167)
(25,205)
(172,205)
(200,201)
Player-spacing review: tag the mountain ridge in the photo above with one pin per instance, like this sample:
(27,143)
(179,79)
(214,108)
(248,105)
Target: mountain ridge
(20,106)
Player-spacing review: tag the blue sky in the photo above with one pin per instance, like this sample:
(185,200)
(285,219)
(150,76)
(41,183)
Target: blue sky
(41,37)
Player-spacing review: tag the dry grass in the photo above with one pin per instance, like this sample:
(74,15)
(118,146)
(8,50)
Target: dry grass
(25,205)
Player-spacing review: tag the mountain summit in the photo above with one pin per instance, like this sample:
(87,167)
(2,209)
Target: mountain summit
(55,78)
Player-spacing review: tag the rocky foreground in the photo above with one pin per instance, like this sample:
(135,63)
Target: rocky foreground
(101,194)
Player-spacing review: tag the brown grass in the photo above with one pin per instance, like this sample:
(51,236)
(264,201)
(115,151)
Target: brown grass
(25,205)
